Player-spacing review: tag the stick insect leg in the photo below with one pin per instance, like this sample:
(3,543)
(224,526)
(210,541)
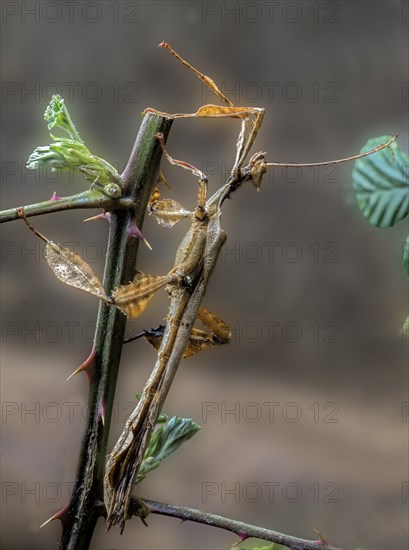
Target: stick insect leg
(202,184)
(210,83)
(243,145)
(246,137)
(216,333)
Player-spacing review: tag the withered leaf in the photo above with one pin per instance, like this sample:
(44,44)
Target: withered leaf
(168,212)
(73,270)
(133,298)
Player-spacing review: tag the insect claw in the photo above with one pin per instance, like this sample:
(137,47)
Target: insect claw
(55,197)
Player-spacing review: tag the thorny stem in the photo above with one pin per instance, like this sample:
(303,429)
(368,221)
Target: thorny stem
(80,516)
(139,178)
(86,199)
(242,530)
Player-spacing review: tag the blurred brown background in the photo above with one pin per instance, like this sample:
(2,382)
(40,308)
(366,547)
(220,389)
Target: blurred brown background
(300,259)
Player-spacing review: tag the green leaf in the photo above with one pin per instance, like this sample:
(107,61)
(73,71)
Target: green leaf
(381,183)
(405,257)
(57,116)
(269,547)
(70,153)
(165,440)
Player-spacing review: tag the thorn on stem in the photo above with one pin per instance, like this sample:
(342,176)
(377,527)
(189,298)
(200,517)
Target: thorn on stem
(58,515)
(322,539)
(103,216)
(135,232)
(87,366)
(242,537)
(101,411)
(55,197)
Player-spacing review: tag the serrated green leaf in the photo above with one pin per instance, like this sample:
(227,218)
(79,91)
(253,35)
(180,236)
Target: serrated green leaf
(165,440)
(70,153)
(57,116)
(381,183)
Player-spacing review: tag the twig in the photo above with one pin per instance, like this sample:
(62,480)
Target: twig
(242,530)
(139,177)
(86,199)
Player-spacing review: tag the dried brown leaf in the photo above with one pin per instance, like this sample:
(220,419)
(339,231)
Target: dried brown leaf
(168,212)
(73,270)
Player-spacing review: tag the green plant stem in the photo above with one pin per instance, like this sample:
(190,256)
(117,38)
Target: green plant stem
(87,199)
(242,530)
(139,179)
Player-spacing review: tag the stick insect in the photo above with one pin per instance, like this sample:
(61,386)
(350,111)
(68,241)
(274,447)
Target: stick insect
(186,284)
(195,260)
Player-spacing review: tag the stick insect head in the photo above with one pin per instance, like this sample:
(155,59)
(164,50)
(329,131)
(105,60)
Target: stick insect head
(258,168)
(253,172)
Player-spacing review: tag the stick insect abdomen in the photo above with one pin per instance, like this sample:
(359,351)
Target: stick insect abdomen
(191,250)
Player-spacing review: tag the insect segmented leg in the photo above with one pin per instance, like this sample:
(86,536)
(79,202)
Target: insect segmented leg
(202,183)
(216,333)
(251,117)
